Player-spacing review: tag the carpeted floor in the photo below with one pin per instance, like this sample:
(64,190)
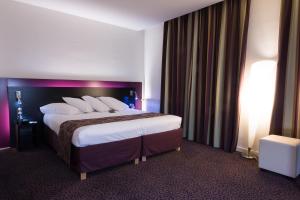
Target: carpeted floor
(197,172)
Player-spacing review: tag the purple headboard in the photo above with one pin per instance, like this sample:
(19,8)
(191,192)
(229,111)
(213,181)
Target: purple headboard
(6,83)
(4,115)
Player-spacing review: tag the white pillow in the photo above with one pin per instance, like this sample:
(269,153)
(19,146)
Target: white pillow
(59,108)
(79,103)
(114,103)
(96,104)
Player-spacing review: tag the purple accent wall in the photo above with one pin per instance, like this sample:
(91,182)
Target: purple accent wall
(4,115)
(5,83)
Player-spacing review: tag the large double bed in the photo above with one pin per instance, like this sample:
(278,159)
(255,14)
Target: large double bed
(103,145)
(94,146)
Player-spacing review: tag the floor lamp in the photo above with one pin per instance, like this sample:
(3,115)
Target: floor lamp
(260,91)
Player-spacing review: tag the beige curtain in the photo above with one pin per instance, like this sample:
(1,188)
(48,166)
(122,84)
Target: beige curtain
(203,62)
(286,112)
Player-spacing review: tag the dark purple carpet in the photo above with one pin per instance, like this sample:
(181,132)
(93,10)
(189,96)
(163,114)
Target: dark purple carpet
(197,172)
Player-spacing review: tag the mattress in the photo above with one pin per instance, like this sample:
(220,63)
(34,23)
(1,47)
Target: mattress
(115,131)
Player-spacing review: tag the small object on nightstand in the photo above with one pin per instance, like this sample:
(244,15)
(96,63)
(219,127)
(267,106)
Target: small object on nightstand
(26,134)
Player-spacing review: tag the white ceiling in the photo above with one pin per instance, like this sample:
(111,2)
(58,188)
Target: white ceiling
(131,14)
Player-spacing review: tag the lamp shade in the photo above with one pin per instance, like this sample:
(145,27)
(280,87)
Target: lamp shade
(260,96)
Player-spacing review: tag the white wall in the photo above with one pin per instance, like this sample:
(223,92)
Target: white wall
(40,43)
(262,44)
(153,63)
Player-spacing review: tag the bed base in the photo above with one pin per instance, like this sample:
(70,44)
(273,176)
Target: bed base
(158,143)
(83,175)
(100,156)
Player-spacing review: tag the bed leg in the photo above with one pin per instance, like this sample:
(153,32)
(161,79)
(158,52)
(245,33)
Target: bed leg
(136,161)
(82,176)
(144,158)
(178,149)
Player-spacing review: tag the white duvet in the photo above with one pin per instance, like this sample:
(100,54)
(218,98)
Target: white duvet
(115,131)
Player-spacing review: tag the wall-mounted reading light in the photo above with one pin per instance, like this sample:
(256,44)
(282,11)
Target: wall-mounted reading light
(133,98)
(136,96)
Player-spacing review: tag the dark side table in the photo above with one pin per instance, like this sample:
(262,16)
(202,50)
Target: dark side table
(26,134)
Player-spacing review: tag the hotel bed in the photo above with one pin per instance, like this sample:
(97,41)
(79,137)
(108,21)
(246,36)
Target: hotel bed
(97,146)
(103,145)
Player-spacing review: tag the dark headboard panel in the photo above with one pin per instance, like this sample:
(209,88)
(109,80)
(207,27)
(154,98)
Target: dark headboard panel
(39,92)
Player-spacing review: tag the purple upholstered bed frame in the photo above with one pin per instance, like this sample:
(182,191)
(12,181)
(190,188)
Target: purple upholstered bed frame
(96,157)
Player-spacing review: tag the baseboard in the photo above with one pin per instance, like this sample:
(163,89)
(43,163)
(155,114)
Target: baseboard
(245,150)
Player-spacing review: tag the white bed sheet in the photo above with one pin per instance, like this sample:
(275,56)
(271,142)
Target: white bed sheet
(115,131)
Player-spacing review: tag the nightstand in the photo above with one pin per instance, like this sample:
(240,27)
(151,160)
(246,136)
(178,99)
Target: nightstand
(26,134)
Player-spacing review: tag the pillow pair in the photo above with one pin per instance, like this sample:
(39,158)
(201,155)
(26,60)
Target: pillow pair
(100,104)
(75,106)
(78,106)
(89,104)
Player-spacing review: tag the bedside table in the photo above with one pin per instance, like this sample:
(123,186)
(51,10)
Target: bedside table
(26,134)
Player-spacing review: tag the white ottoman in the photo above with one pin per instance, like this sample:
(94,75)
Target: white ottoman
(280,154)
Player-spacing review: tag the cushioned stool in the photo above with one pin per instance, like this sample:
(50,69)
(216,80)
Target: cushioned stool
(280,154)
